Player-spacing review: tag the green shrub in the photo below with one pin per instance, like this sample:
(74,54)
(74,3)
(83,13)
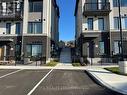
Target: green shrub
(52,63)
(76,64)
(114,70)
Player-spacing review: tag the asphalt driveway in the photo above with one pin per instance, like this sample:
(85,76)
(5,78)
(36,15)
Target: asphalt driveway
(49,82)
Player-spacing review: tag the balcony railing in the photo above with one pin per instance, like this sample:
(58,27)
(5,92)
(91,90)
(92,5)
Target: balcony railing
(97,8)
(11,10)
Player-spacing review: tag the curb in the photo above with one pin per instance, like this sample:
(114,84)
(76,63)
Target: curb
(102,83)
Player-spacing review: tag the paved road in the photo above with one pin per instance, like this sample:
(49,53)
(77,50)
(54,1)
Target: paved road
(61,82)
(3,72)
(57,82)
(20,83)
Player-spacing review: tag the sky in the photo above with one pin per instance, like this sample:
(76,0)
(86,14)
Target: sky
(67,19)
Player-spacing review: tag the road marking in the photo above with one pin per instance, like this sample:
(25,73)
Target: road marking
(10,73)
(39,82)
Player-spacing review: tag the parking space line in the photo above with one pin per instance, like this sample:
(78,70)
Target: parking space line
(10,73)
(39,82)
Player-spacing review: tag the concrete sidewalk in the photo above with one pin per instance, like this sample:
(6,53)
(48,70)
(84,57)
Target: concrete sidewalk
(113,81)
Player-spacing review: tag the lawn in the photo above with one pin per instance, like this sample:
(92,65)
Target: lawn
(114,70)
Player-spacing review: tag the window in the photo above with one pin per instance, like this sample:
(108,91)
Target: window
(102,47)
(34,50)
(34,27)
(101,23)
(117,48)
(17,50)
(90,23)
(35,6)
(123,20)
(8,28)
(123,3)
(18,27)
(116,23)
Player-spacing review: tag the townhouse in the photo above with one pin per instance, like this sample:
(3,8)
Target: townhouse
(28,28)
(98,29)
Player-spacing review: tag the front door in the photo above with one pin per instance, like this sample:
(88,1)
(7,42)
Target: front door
(90,49)
(1,53)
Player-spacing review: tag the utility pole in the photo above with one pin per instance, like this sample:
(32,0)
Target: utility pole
(120,26)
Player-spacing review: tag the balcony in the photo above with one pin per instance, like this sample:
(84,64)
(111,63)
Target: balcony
(10,11)
(96,9)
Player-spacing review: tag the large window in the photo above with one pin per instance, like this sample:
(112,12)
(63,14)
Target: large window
(117,48)
(116,23)
(102,47)
(101,23)
(34,27)
(35,6)
(18,28)
(34,50)
(123,3)
(90,23)
(8,28)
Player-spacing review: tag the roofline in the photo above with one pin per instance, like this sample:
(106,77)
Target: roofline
(76,7)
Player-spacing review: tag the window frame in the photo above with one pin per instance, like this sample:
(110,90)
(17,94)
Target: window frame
(18,31)
(123,3)
(101,23)
(119,47)
(32,7)
(90,22)
(31,49)
(32,29)
(100,49)
(8,28)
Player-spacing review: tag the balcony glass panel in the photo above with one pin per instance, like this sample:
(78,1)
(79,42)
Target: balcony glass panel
(96,6)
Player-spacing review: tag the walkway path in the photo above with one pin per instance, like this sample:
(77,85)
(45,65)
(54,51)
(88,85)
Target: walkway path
(113,81)
(65,56)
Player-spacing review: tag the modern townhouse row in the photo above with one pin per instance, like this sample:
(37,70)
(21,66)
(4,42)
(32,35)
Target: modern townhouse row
(28,28)
(98,29)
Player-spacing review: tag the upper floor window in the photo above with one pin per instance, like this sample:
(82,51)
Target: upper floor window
(35,27)
(101,23)
(8,28)
(123,3)
(90,23)
(116,23)
(18,28)
(35,6)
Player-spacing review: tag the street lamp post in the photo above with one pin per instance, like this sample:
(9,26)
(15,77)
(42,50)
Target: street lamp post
(120,26)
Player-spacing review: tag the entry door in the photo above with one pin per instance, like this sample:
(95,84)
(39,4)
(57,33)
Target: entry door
(1,53)
(91,49)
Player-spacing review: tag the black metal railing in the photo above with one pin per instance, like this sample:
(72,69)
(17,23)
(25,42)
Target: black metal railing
(97,6)
(11,10)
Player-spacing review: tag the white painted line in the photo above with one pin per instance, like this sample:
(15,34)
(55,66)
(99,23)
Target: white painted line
(10,73)
(39,82)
